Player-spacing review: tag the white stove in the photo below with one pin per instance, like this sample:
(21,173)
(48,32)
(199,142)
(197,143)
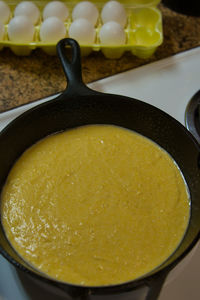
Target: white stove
(168,84)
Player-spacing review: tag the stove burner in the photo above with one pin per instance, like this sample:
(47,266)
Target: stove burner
(192,116)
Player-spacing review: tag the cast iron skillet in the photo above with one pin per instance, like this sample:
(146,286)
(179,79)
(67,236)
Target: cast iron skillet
(79,105)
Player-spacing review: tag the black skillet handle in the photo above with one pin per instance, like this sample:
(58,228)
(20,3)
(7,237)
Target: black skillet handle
(72,68)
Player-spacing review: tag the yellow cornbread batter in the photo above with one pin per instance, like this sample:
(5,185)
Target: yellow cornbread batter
(95,205)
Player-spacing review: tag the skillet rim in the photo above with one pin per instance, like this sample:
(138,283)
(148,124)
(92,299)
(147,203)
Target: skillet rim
(148,277)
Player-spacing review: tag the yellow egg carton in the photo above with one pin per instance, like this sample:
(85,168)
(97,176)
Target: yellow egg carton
(143,30)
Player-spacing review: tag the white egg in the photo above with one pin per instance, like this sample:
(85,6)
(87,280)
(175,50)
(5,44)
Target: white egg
(2,31)
(52,30)
(56,9)
(112,33)
(83,31)
(114,11)
(86,10)
(28,9)
(21,30)
(4,12)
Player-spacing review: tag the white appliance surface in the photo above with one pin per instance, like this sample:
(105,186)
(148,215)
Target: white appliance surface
(168,84)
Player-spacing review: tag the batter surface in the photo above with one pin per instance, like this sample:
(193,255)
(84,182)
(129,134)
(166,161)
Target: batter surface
(95,205)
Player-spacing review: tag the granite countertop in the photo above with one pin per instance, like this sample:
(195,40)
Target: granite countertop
(26,79)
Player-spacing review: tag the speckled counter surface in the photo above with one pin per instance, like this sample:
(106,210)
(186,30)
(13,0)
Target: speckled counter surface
(26,79)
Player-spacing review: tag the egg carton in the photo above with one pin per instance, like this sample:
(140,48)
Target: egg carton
(143,31)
